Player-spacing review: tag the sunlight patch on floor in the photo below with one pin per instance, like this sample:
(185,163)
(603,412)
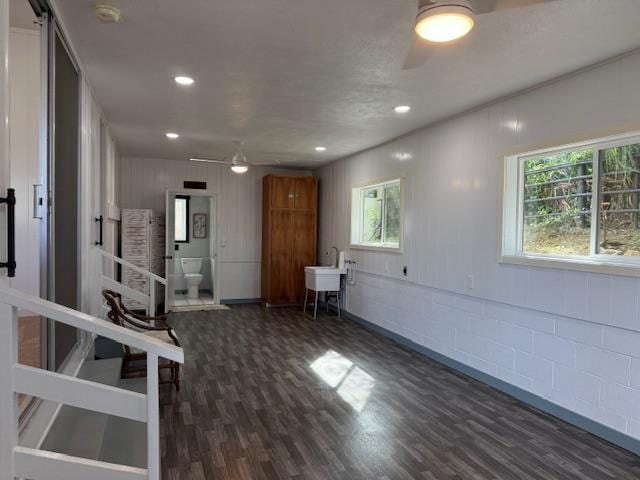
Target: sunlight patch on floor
(353,384)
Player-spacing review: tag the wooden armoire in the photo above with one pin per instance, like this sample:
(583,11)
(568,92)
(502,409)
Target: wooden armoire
(289,236)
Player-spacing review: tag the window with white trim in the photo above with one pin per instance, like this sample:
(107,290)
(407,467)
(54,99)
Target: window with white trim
(579,202)
(376,215)
(181,203)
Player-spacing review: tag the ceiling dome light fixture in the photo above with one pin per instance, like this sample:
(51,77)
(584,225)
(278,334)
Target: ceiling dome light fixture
(172,135)
(183,80)
(239,163)
(107,13)
(445,21)
(402,109)
(239,168)
(320,149)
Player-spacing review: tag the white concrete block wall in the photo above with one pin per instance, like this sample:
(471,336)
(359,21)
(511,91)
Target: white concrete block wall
(570,337)
(558,358)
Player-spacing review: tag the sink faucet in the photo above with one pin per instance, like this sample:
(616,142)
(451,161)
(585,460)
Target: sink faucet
(335,264)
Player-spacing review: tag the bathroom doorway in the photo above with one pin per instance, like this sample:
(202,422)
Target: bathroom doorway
(191,251)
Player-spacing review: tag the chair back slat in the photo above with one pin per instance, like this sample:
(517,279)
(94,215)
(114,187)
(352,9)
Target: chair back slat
(116,315)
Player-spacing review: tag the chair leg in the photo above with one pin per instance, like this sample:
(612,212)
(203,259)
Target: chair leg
(306,293)
(315,308)
(124,367)
(338,300)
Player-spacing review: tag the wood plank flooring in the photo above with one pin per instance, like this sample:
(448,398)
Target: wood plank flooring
(270,394)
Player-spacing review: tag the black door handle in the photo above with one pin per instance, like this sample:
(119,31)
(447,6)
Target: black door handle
(10,264)
(167,257)
(99,220)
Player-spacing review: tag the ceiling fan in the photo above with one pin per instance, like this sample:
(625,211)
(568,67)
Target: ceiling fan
(443,21)
(238,162)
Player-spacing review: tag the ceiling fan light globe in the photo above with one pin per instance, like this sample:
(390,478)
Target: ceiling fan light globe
(239,168)
(445,22)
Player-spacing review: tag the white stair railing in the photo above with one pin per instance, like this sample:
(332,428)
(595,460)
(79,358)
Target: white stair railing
(35,464)
(149,300)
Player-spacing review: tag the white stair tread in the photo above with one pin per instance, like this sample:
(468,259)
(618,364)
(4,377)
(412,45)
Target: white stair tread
(96,436)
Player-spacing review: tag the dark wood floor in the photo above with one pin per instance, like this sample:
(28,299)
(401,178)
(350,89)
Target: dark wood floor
(254,405)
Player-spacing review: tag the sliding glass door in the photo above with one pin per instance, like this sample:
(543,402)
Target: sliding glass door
(26,98)
(64,187)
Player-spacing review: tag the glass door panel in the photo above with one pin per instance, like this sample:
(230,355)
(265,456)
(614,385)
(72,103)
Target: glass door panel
(64,177)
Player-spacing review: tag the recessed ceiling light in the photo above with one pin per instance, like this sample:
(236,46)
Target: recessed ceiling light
(402,109)
(183,80)
(444,22)
(172,135)
(320,149)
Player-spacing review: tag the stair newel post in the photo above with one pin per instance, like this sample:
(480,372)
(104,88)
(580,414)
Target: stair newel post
(8,398)
(153,418)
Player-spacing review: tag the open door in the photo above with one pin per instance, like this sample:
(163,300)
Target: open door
(191,250)
(170,266)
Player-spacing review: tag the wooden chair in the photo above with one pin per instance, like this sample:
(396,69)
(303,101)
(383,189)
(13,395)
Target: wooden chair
(122,316)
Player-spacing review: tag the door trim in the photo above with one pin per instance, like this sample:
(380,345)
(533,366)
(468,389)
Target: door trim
(215,196)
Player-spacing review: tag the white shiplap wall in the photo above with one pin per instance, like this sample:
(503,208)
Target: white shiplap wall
(570,337)
(144,182)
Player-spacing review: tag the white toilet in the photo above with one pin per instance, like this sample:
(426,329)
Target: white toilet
(191,268)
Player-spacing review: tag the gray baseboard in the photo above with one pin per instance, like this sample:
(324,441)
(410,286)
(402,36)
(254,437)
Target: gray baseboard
(202,290)
(240,301)
(618,438)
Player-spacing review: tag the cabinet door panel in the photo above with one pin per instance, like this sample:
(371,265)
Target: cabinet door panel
(283,192)
(281,259)
(306,193)
(304,249)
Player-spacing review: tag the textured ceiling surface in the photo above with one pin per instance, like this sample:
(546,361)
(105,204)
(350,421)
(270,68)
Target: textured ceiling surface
(287,75)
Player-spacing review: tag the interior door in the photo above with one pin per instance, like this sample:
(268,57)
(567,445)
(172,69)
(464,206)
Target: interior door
(169,263)
(281,261)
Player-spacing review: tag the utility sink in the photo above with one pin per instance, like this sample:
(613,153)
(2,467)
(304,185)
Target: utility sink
(323,278)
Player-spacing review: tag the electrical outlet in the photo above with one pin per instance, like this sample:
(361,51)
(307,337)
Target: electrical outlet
(386,267)
(470,282)
(404,270)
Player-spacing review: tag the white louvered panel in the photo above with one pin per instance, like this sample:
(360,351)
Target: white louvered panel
(142,245)
(135,249)
(157,251)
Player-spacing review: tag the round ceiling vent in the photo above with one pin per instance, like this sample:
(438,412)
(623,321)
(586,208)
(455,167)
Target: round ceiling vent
(107,13)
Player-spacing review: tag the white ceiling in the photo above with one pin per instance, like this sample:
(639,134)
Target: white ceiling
(287,75)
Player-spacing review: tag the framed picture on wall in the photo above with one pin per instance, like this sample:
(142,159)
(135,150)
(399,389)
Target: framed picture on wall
(199,225)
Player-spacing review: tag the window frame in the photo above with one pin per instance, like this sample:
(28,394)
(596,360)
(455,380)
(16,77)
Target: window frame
(512,225)
(355,216)
(187,223)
